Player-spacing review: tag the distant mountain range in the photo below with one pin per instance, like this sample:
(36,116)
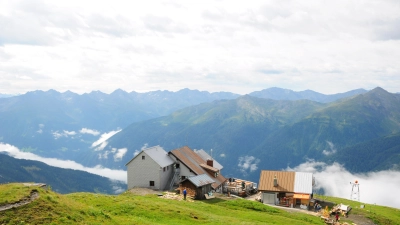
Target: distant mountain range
(248,133)
(286,94)
(270,129)
(60,180)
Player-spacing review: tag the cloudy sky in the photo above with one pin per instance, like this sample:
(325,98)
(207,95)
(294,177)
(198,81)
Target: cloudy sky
(216,45)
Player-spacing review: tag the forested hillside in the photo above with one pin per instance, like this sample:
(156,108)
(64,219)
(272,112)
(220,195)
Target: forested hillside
(248,134)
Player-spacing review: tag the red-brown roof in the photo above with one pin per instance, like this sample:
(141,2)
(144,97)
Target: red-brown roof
(195,163)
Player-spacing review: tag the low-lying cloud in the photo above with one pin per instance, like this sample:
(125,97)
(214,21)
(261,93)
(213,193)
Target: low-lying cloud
(57,134)
(248,164)
(332,149)
(13,151)
(375,187)
(101,143)
(89,131)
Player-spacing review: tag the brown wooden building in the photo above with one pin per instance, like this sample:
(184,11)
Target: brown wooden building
(198,186)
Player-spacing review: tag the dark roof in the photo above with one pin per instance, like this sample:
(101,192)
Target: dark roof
(201,180)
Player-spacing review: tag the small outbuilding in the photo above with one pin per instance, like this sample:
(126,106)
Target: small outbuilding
(199,185)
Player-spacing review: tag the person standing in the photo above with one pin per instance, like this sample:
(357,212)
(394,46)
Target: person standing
(337,217)
(184,194)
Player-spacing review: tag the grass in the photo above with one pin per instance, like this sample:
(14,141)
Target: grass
(378,214)
(128,208)
(10,193)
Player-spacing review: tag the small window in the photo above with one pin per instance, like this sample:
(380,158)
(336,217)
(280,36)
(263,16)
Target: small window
(151,183)
(143,157)
(176,165)
(167,168)
(164,169)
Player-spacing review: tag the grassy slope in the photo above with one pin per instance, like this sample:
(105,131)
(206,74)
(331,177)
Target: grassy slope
(378,214)
(127,208)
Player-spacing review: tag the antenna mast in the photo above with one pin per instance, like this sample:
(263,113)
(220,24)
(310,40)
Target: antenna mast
(355,191)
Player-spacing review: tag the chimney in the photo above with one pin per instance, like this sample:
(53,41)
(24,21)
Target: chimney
(210,162)
(275,181)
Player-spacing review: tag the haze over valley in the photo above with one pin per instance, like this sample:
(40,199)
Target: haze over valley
(278,130)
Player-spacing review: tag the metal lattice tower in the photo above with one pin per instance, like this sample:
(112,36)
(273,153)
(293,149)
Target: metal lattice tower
(355,191)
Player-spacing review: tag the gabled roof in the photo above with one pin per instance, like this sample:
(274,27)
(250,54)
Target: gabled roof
(193,161)
(189,158)
(201,180)
(158,154)
(288,181)
(303,182)
(204,155)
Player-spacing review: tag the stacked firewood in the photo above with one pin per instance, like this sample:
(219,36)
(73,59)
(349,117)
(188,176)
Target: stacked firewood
(189,192)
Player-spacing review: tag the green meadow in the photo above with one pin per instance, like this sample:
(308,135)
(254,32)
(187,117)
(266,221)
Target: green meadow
(129,208)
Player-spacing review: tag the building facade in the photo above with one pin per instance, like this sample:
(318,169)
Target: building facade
(151,168)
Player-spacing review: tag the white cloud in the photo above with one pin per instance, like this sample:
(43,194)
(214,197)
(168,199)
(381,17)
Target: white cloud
(146,145)
(119,154)
(101,143)
(235,46)
(104,155)
(222,155)
(64,133)
(101,146)
(67,164)
(335,180)
(248,164)
(331,147)
(89,131)
(41,126)
(69,133)
(136,152)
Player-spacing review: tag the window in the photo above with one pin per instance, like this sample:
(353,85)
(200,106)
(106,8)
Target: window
(151,183)
(176,165)
(143,157)
(164,169)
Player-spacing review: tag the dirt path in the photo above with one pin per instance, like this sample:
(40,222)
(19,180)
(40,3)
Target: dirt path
(34,195)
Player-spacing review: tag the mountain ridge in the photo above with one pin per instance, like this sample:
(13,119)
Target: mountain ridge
(280,133)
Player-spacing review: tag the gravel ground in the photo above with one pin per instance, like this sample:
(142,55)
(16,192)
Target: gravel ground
(144,191)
